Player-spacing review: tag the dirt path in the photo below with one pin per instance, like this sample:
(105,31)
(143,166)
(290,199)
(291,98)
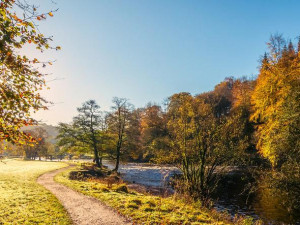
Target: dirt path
(83,210)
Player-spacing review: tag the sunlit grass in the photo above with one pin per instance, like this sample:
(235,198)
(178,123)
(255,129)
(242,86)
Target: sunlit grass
(145,209)
(22,200)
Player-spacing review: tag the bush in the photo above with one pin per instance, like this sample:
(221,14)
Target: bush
(85,174)
(104,189)
(76,175)
(122,188)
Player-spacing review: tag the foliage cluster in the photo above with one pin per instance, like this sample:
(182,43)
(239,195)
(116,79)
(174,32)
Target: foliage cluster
(21,78)
(44,146)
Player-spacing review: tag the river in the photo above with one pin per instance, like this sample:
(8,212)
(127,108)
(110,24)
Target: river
(261,204)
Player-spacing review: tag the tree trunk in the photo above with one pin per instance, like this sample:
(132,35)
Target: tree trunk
(27,155)
(96,157)
(118,158)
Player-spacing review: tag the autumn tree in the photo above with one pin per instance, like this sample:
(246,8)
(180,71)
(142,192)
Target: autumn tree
(85,132)
(276,106)
(20,77)
(153,131)
(41,147)
(193,128)
(118,122)
(133,146)
(240,128)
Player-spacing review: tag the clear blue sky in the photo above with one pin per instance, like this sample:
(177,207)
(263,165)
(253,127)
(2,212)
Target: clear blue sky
(148,50)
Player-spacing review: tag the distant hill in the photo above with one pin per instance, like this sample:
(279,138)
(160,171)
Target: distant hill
(51,130)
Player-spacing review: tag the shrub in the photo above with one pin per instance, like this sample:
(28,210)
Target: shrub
(104,189)
(122,188)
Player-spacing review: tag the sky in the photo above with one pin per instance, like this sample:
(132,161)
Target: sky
(148,50)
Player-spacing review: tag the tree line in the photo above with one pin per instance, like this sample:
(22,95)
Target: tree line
(242,122)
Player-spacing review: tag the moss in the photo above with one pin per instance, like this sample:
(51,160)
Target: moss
(151,203)
(148,209)
(132,206)
(165,208)
(137,201)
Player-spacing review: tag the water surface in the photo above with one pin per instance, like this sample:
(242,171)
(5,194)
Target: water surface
(264,203)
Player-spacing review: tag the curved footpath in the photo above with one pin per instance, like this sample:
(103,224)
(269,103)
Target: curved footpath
(83,210)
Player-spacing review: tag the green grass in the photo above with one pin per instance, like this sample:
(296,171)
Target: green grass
(145,209)
(22,200)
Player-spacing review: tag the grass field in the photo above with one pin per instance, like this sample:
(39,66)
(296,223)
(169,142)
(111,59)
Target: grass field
(22,200)
(145,209)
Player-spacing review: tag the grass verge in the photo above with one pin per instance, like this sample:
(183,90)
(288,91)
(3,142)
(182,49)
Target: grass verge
(144,209)
(22,200)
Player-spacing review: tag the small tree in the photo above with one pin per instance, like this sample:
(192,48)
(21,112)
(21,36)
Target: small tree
(41,147)
(118,121)
(195,132)
(153,130)
(85,132)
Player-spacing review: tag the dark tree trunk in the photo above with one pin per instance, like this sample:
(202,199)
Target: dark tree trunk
(117,161)
(27,154)
(118,157)
(96,157)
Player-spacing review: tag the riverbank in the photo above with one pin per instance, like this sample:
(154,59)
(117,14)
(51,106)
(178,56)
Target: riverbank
(241,191)
(146,208)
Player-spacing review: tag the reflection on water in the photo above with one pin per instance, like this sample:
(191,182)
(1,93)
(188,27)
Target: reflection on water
(269,204)
(276,204)
(261,201)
